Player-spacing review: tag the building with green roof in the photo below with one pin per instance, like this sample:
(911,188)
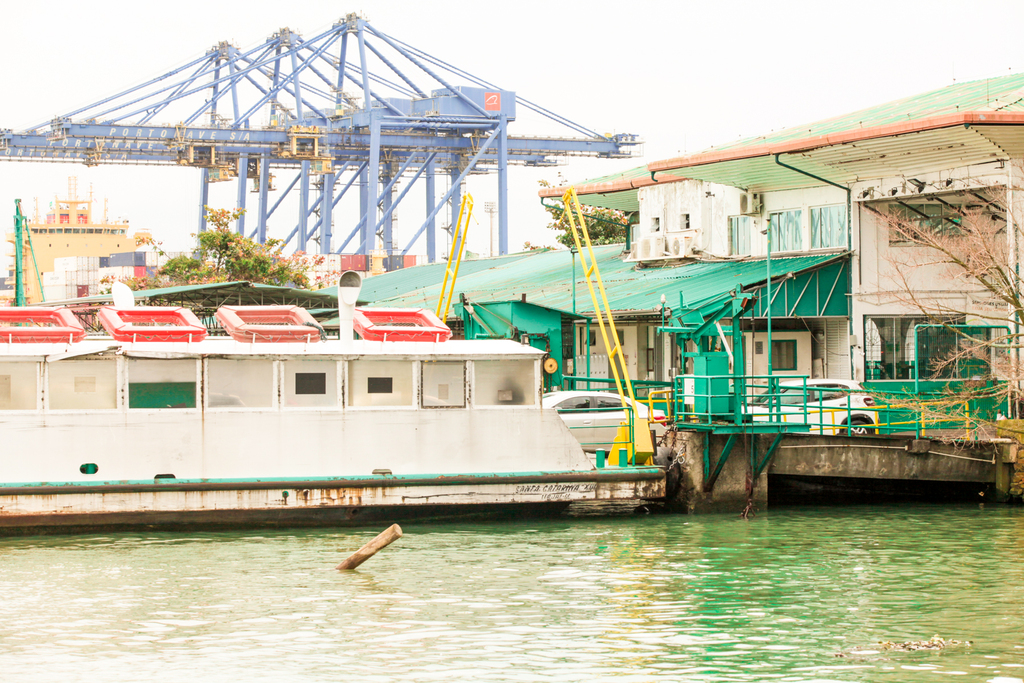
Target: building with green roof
(833,187)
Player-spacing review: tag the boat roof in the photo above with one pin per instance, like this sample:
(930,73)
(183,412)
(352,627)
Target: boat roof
(483,349)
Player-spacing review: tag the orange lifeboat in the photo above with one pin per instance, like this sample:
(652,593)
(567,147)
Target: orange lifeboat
(400,324)
(39,325)
(151,324)
(269,323)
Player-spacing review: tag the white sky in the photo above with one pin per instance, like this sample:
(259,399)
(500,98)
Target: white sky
(684,75)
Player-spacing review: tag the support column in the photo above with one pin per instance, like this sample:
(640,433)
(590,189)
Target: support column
(432,222)
(243,177)
(364,204)
(456,200)
(326,206)
(303,235)
(372,185)
(388,225)
(261,229)
(503,187)
(204,198)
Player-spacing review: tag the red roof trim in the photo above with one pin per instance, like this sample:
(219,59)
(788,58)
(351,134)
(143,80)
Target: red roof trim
(612,185)
(804,144)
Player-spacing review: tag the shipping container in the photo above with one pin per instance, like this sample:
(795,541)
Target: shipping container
(353,262)
(128,258)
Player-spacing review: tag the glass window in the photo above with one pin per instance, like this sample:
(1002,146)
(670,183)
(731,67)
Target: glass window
(936,218)
(311,384)
(83,384)
(161,384)
(608,402)
(380,383)
(786,230)
(443,384)
(739,235)
(784,354)
(889,347)
(828,227)
(577,403)
(240,383)
(18,386)
(504,383)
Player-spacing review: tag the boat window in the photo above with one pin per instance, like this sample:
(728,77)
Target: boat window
(161,383)
(83,384)
(504,383)
(18,386)
(311,383)
(380,383)
(443,384)
(240,383)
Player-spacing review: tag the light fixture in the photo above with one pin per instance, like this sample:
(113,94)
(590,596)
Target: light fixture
(949,181)
(893,191)
(918,184)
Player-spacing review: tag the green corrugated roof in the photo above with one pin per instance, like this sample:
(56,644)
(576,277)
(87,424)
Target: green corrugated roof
(546,280)
(209,296)
(409,279)
(626,200)
(1005,93)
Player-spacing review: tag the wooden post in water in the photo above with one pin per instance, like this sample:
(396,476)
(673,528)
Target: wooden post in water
(383,540)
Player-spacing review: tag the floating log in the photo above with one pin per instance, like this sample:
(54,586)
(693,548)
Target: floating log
(383,540)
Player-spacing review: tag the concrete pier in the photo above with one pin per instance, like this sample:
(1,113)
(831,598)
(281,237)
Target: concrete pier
(823,467)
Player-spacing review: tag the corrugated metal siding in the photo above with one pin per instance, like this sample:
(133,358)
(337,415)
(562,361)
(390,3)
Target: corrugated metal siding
(999,94)
(837,348)
(546,280)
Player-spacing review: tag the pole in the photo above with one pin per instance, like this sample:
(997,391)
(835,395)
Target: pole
(383,540)
(19,248)
(768,290)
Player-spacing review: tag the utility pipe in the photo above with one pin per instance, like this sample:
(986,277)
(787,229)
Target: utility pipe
(849,246)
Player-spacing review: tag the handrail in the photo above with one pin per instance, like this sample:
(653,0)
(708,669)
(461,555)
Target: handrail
(444,300)
(602,312)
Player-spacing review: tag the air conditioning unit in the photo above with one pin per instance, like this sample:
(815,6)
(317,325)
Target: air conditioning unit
(652,247)
(678,246)
(750,204)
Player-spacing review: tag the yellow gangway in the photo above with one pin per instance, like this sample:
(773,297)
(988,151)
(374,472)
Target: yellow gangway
(444,301)
(639,445)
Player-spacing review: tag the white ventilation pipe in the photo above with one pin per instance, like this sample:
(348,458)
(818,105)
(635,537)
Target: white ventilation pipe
(349,286)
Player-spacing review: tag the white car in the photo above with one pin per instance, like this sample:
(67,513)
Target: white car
(592,418)
(830,404)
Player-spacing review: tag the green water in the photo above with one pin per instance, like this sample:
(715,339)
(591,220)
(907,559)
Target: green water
(654,598)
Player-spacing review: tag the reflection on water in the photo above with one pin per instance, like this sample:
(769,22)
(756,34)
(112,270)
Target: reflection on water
(655,598)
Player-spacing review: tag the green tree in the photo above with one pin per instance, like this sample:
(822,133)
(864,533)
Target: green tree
(222,255)
(605,226)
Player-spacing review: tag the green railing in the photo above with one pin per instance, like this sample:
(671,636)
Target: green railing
(763,401)
(617,451)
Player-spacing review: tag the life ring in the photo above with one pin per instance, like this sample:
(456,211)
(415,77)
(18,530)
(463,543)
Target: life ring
(151,324)
(269,323)
(400,324)
(39,325)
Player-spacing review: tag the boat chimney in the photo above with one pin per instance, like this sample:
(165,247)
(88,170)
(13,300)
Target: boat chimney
(348,292)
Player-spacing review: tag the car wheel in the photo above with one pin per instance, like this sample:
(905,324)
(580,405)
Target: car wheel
(861,428)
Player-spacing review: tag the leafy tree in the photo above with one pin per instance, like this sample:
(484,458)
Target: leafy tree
(605,226)
(222,255)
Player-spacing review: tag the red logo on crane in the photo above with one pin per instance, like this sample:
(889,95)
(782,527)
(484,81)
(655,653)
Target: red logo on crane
(492,101)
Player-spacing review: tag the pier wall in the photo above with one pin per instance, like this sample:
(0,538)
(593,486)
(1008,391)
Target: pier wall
(833,468)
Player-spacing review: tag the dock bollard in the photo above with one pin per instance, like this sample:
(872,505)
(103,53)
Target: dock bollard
(600,456)
(383,540)
(623,457)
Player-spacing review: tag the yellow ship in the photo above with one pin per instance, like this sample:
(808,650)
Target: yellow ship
(67,229)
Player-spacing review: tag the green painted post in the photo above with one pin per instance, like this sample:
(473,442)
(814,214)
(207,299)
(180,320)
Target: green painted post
(600,458)
(19,242)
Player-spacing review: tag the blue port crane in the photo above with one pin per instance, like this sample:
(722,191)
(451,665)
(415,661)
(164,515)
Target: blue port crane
(351,107)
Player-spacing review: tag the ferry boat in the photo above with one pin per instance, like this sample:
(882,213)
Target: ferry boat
(159,426)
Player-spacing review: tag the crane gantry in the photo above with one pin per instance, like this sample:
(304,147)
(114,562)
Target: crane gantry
(348,107)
